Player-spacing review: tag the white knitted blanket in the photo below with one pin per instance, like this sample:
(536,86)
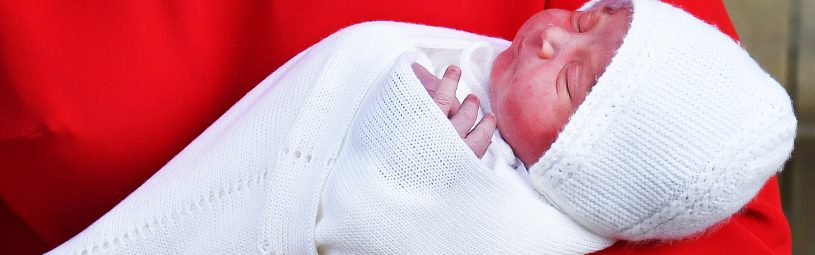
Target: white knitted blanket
(340,151)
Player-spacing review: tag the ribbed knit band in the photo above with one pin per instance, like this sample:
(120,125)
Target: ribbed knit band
(679,133)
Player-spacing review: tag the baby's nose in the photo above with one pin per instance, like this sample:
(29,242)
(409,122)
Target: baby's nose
(553,37)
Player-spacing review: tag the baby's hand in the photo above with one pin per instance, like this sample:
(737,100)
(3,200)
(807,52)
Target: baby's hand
(461,115)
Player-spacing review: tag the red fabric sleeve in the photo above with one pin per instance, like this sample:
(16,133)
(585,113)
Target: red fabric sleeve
(761,227)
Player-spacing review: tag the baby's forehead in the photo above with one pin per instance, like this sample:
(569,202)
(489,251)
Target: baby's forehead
(611,36)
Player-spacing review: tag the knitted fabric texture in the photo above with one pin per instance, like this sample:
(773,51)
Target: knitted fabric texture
(679,133)
(339,151)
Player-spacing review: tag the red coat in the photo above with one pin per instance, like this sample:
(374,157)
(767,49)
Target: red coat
(95,96)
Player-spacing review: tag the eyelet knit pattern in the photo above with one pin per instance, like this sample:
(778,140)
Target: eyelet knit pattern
(679,133)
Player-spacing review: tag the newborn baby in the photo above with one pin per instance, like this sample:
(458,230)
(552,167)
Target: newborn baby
(555,60)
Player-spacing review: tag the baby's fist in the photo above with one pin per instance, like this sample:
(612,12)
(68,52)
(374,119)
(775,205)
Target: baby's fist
(462,115)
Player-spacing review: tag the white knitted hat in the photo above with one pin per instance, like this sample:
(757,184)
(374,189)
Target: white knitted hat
(680,132)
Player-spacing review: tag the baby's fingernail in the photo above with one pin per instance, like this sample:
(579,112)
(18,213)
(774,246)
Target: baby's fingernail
(454,69)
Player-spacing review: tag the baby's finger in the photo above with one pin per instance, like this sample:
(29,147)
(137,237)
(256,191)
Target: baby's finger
(445,95)
(430,82)
(464,119)
(479,138)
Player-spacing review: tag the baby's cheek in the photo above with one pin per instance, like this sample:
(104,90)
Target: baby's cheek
(515,120)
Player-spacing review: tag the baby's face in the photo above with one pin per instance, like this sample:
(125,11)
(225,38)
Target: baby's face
(553,62)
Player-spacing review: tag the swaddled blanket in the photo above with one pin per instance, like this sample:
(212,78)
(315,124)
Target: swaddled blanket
(339,151)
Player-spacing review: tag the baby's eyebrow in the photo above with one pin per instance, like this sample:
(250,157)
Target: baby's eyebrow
(596,63)
(606,10)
